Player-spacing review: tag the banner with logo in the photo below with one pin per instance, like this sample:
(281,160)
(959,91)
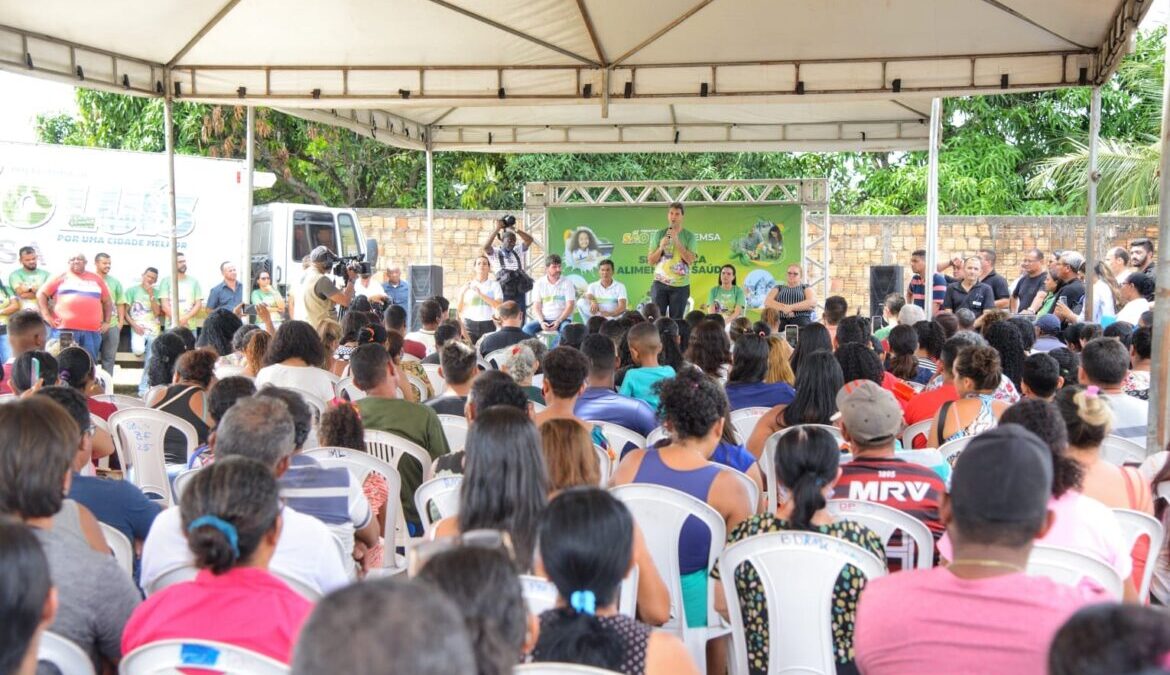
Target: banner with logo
(759,240)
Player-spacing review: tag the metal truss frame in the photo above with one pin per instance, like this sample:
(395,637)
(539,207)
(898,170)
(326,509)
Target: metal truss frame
(811,194)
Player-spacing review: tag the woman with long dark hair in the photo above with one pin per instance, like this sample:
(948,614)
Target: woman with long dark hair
(902,361)
(75,369)
(505,484)
(807,470)
(709,349)
(813,337)
(746,386)
(671,354)
(815,402)
(218,330)
(1004,337)
(296,359)
(586,547)
(165,352)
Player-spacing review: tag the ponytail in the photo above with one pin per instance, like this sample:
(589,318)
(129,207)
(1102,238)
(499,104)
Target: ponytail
(570,636)
(227,510)
(806,461)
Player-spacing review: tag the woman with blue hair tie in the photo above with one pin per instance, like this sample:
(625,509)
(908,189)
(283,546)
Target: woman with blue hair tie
(586,548)
(231,514)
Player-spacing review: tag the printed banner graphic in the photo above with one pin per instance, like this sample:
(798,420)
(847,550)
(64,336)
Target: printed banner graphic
(759,240)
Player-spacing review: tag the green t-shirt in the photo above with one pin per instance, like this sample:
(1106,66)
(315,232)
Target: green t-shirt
(117,296)
(269,300)
(725,301)
(884,332)
(28,280)
(671,270)
(189,292)
(414,422)
(5,296)
(139,308)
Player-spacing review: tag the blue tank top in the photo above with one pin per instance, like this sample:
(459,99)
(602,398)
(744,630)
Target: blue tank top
(695,541)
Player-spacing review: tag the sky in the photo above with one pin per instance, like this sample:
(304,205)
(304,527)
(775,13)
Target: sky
(26,97)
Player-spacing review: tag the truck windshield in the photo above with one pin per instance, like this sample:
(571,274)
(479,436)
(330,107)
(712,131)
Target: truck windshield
(310,230)
(349,237)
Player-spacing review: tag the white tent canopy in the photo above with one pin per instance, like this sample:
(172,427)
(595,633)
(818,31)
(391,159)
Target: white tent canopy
(581,75)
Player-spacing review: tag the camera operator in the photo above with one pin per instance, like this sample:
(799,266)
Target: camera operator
(514,282)
(317,292)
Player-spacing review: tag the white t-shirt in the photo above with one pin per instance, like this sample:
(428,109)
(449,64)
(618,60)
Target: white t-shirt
(306,550)
(1130,416)
(554,297)
(608,298)
(475,308)
(1132,312)
(373,289)
(316,381)
(424,337)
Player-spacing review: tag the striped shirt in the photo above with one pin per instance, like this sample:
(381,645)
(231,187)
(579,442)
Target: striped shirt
(329,495)
(790,295)
(918,292)
(79,300)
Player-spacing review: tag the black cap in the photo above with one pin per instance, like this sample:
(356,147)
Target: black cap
(1003,475)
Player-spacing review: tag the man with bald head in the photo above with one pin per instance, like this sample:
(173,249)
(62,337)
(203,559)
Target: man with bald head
(396,288)
(82,304)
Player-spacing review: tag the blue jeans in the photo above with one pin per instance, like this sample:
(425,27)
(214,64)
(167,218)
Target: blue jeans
(142,384)
(533,327)
(5,349)
(89,340)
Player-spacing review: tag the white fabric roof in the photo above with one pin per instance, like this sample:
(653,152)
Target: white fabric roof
(581,75)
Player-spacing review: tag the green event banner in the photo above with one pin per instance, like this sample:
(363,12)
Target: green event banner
(759,240)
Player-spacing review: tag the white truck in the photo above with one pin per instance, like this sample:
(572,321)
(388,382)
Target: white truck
(63,199)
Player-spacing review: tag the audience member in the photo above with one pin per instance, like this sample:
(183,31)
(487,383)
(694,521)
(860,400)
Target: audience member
(1106,638)
(812,338)
(255,347)
(27,331)
(341,427)
(1137,380)
(1104,365)
(492,388)
(569,455)
(1047,334)
(458,368)
(835,310)
(412,382)
(424,635)
(521,365)
(572,334)
(1136,292)
(983,608)
(1070,364)
(709,349)
(430,316)
(231,516)
(219,328)
(28,601)
(223,395)
(854,329)
(587,543)
(902,361)
(807,469)
(296,359)
(599,402)
(639,382)
(1041,377)
(329,333)
(186,399)
(76,370)
(510,319)
(966,318)
(745,384)
(28,365)
(817,384)
(671,354)
(165,352)
(779,361)
(976,376)
(893,304)
(949,323)
(969,292)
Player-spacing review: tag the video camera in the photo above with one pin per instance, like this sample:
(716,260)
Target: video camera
(342,264)
(508,221)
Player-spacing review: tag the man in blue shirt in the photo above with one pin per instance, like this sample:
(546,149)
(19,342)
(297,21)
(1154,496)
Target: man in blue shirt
(599,402)
(397,289)
(229,294)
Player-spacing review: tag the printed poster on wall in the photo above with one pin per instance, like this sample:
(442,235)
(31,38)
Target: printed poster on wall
(759,240)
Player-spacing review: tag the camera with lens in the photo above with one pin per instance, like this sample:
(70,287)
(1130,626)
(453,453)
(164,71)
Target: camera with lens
(343,264)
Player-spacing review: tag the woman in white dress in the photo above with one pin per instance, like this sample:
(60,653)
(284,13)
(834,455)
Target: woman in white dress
(478,299)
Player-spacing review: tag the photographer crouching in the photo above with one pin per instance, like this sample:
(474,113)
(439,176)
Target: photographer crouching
(514,282)
(317,293)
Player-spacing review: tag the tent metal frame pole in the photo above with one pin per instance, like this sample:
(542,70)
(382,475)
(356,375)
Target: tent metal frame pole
(250,160)
(169,136)
(1159,429)
(1091,229)
(932,206)
(430,204)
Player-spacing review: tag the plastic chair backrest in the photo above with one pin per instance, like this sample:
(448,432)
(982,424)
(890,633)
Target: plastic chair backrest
(765,461)
(537,407)
(153,393)
(885,521)
(104,380)
(312,400)
(556,668)
(139,435)
(63,653)
(303,588)
(797,572)
(1133,525)
(496,359)
(605,465)
(455,429)
(437,381)
(744,421)
(420,387)
(180,483)
(917,429)
(539,593)
(656,435)
(1122,451)
(168,656)
(619,437)
(345,385)
(390,448)
(175,575)
(628,594)
(120,545)
(753,490)
(99,423)
(360,466)
(928,457)
(121,401)
(1070,567)
(5,398)
(951,450)
(660,512)
(443,494)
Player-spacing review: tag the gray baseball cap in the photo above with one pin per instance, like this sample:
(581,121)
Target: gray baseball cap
(869,413)
(321,254)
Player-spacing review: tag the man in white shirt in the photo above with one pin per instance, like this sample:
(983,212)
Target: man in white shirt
(260,428)
(370,285)
(1135,292)
(430,313)
(1104,364)
(554,298)
(604,297)
(1117,259)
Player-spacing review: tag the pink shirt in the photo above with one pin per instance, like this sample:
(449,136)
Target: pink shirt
(79,300)
(931,621)
(245,606)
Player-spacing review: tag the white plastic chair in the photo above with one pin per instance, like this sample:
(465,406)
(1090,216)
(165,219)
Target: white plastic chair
(153,393)
(438,384)
(885,521)
(750,485)
(139,435)
(539,593)
(390,448)
(455,429)
(605,465)
(557,668)
(302,588)
(63,653)
(443,494)
(180,482)
(537,407)
(121,401)
(1070,567)
(420,388)
(928,457)
(120,545)
(7,398)
(312,400)
(360,466)
(660,512)
(951,450)
(345,385)
(1122,451)
(917,429)
(167,656)
(1133,525)
(744,421)
(769,470)
(172,576)
(104,380)
(797,572)
(656,435)
(619,437)
(496,358)
(628,594)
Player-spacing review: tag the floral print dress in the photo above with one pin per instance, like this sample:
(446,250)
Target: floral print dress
(846,591)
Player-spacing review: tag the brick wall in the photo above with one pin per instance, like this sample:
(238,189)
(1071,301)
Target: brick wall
(855,242)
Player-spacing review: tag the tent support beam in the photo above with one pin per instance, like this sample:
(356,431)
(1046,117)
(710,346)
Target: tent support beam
(591,31)
(430,204)
(512,31)
(1032,22)
(1091,227)
(223,12)
(250,160)
(662,31)
(1159,427)
(932,207)
(169,136)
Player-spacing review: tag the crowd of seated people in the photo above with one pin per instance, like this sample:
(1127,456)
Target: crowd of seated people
(273,547)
